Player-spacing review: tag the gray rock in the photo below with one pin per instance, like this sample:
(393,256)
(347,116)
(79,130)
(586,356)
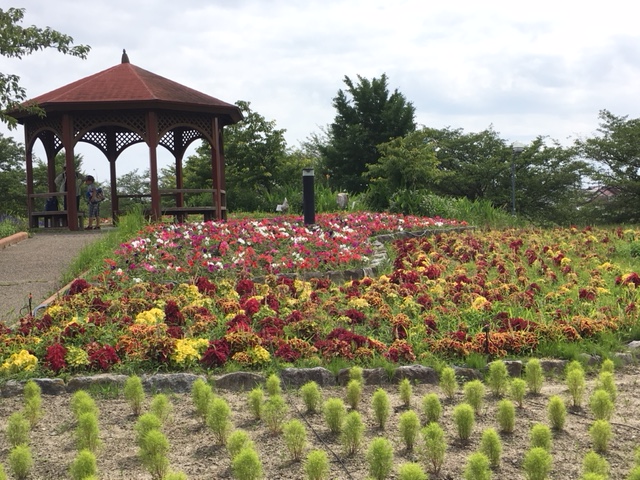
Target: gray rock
(51,386)
(11,388)
(553,366)
(418,374)
(103,380)
(375,376)
(590,360)
(624,358)
(514,367)
(170,382)
(296,377)
(467,374)
(634,345)
(239,381)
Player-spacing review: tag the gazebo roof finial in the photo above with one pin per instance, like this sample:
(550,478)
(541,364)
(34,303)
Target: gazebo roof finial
(125,57)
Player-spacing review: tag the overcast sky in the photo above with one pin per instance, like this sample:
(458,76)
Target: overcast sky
(527,68)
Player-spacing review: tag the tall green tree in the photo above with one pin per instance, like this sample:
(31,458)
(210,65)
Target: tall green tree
(616,153)
(17,41)
(12,177)
(367,115)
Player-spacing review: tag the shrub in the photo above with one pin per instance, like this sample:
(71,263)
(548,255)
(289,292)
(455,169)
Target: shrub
(219,419)
(153,454)
(236,441)
(175,476)
(537,464)
(354,393)
(606,382)
(533,376)
(311,396)
(434,446)
(81,402)
(594,463)
(246,465)
(557,412)
(87,433)
(316,465)
(3,474)
(161,407)
(601,405)
(540,436)
(146,422)
(32,402)
(84,465)
(273,385)
(431,407)
(134,394)
(405,391)
(448,383)
(576,385)
(474,394)
(255,401)
(411,471)
(201,394)
(352,430)
(409,426)
(20,461)
(380,458)
(17,432)
(295,438)
(477,467)
(498,378)
(506,416)
(491,446)
(274,412)
(600,433)
(381,407)
(334,412)
(607,366)
(464,419)
(634,474)
(356,373)
(518,390)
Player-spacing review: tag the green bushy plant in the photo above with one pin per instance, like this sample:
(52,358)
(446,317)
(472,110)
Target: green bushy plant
(20,461)
(334,412)
(464,420)
(84,465)
(601,405)
(201,395)
(352,431)
(594,463)
(606,381)
(634,474)
(381,407)
(498,378)
(246,465)
(316,465)
(175,476)
(537,464)
(153,454)
(448,383)
(274,412)
(145,423)
(273,385)
(557,412)
(134,394)
(380,458)
(18,428)
(411,471)
(354,393)
(534,376)
(295,438)
(517,390)
(356,373)
(477,467)
(506,416)
(540,436)
(576,385)
(3,474)
(474,394)
(311,396)
(82,402)
(255,401)
(219,419)
(491,446)
(409,427)
(405,391)
(600,433)
(607,366)
(161,407)
(435,446)
(237,440)
(431,407)
(32,402)
(87,432)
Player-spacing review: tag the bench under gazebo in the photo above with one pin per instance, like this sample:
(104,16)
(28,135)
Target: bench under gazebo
(113,110)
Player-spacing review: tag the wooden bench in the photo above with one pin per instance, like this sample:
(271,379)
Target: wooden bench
(53,219)
(180,213)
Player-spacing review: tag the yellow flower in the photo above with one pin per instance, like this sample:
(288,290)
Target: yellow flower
(480,303)
(76,357)
(358,303)
(259,355)
(22,361)
(55,311)
(150,317)
(189,350)
(190,291)
(565,261)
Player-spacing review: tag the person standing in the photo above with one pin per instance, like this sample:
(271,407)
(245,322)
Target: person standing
(94,203)
(61,182)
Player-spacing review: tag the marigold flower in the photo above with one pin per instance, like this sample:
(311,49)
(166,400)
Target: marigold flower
(22,361)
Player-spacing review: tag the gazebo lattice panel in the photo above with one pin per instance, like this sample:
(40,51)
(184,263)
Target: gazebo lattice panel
(169,121)
(98,139)
(45,123)
(130,120)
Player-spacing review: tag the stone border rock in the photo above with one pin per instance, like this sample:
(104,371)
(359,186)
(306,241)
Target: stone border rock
(13,239)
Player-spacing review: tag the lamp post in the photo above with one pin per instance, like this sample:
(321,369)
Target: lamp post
(517,148)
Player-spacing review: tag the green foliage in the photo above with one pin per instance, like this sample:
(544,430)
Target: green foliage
(273,385)
(576,385)
(134,394)
(175,476)
(3,474)
(12,184)
(498,378)
(295,438)
(607,366)
(381,407)
(491,446)
(352,431)
(84,465)
(201,395)
(316,465)
(474,394)
(274,412)
(17,432)
(146,422)
(634,474)
(431,407)
(409,427)
(87,432)
(356,373)
(477,467)
(405,390)
(537,464)
(517,390)
(334,412)
(153,454)
(464,420)
(246,465)
(219,419)
(594,463)
(557,412)
(600,432)
(448,383)
(534,376)
(380,458)
(506,416)
(20,461)
(540,436)
(81,403)
(601,405)
(435,446)
(411,471)
(237,440)
(161,407)
(606,381)
(354,393)
(311,396)
(255,400)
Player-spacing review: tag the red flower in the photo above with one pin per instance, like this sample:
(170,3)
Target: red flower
(102,358)
(217,354)
(245,287)
(79,285)
(172,314)
(54,358)
(205,286)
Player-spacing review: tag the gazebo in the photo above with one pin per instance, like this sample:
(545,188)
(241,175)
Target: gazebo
(113,110)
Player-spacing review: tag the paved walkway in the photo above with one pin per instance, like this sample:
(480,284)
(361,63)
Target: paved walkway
(35,266)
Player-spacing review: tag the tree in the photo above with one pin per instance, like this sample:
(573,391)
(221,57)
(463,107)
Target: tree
(616,152)
(367,115)
(17,42)
(12,177)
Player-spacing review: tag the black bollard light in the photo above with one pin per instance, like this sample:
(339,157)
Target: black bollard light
(308,202)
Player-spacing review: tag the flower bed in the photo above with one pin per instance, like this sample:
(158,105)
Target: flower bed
(181,296)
